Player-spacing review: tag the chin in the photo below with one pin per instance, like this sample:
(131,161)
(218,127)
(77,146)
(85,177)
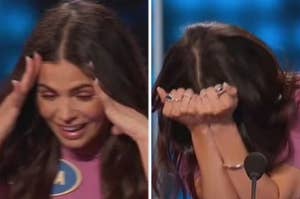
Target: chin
(73,144)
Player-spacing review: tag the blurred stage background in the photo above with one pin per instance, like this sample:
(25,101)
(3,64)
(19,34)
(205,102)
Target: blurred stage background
(18,19)
(276,22)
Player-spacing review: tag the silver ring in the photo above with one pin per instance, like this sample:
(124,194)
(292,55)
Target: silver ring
(169,97)
(219,89)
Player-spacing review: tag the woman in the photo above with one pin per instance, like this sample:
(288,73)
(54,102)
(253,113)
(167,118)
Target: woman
(74,118)
(221,95)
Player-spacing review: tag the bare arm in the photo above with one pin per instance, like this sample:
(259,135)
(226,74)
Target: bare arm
(214,179)
(233,152)
(126,121)
(10,107)
(216,141)
(191,111)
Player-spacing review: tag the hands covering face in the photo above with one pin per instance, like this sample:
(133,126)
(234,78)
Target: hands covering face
(213,104)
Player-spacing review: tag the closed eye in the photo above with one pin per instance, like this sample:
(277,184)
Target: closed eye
(85,96)
(47,95)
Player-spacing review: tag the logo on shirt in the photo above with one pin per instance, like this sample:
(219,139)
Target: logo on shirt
(67,179)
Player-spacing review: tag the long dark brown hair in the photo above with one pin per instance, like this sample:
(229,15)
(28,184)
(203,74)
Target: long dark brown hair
(79,32)
(210,54)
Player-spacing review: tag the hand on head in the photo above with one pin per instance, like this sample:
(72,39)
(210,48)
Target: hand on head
(12,104)
(125,120)
(213,104)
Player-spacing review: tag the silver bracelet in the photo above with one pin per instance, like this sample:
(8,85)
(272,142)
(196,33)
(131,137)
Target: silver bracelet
(233,167)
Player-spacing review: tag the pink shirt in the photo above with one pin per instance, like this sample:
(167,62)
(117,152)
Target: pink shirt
(89,185)
(295,135)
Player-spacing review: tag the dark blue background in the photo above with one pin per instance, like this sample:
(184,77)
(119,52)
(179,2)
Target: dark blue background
(276,22)
(19,17)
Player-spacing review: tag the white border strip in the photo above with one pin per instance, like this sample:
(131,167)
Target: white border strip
(155,45)
(149,99)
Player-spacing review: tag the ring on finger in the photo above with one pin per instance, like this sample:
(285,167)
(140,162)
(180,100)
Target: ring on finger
(177,100)
(219,89)
(169,97)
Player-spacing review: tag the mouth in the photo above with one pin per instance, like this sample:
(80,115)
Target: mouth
(72,132)
(73,128)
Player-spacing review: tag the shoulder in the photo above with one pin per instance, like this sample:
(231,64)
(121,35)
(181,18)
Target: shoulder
(295,127)
(294,159)
(287,179)
(297,91)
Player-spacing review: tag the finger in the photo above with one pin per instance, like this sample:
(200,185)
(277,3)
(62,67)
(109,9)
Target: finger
(12,103)
(162,94)
(14,98)
(228,103)
(192,106)
(229,99)
(168,105)
(28,76)
(37,63)
(187,96)
(213,100)
(231,90)
(200,106)
(100,93)
(206,107)
(176,103)
(22,87)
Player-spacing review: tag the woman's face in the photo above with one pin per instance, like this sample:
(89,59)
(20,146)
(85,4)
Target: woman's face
(66,100)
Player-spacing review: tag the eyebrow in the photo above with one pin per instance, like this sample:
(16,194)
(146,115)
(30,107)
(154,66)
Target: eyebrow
(76,88)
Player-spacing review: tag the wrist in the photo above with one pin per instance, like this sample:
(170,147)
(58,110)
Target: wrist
(201,133)
(142,133)
(199,129)
(223,126)
(229,144)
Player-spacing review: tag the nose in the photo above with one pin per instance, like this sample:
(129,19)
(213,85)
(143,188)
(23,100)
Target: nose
(66,112)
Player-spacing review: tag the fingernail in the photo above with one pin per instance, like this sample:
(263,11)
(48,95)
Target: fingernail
(225,84)
(14,82)
(27,58)
(158,89)
(91,65)
(35,55)
(202,91)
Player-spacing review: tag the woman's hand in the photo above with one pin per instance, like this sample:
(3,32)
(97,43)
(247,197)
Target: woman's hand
(13,102)
(126,120)
(211,105)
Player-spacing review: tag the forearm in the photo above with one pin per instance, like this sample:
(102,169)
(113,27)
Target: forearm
(233,152)
(141,138)
(215,181)
(143,148)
